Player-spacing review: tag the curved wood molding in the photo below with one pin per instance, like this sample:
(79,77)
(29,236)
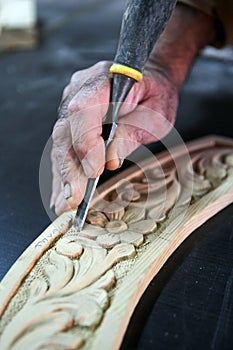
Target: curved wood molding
(73,290)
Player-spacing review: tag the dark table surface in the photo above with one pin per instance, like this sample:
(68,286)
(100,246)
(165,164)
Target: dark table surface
(189,304)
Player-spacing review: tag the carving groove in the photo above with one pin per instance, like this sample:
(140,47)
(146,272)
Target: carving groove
(73,290)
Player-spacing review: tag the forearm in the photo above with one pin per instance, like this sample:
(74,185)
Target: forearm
(188,31)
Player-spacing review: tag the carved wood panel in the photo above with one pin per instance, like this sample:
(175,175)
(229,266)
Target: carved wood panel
(73,290)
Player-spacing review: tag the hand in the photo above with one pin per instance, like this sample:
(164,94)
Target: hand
(78,148)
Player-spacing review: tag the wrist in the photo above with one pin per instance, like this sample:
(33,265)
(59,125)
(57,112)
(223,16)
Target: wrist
(187,32)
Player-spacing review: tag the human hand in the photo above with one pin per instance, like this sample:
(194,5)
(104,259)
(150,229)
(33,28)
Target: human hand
(78,149)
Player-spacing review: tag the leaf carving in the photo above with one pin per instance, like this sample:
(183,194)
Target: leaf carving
(50,313)
(78,282)
(69,248)
(59,265)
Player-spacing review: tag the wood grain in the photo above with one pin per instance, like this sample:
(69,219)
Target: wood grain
(73,290)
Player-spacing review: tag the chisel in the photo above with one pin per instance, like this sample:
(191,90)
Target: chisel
(143,22)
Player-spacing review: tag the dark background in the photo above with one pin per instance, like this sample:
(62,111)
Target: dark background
(189,304)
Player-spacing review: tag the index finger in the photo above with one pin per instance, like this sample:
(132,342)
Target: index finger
(86,112)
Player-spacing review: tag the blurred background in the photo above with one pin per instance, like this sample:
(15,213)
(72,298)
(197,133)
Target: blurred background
(189,304)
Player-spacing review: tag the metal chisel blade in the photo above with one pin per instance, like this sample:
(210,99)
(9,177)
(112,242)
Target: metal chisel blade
(82,210)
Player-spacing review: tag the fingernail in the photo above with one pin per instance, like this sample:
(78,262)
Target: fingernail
(121,161)
(52,207)
(52,203)
(67,191)
(88,170)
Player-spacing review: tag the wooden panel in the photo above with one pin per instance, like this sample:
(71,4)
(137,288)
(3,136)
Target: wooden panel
(79,290)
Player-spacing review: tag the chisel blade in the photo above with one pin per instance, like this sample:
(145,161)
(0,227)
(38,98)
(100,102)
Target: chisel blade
(82,210)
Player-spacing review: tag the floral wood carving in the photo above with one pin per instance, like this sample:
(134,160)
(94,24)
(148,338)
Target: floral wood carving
(73,290)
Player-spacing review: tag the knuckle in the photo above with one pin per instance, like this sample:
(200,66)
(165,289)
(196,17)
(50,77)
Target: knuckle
(72,108)
(103,65)
(75,77)
(59,129)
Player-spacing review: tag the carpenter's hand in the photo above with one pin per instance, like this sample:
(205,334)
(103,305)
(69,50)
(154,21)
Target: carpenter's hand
(78,148)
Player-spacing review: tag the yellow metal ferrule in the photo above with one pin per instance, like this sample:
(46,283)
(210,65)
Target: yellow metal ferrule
(129,72)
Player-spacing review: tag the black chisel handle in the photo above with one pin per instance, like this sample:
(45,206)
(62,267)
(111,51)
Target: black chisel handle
(143,22)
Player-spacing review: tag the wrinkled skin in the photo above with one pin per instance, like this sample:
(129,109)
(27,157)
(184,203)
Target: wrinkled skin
(78,148)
